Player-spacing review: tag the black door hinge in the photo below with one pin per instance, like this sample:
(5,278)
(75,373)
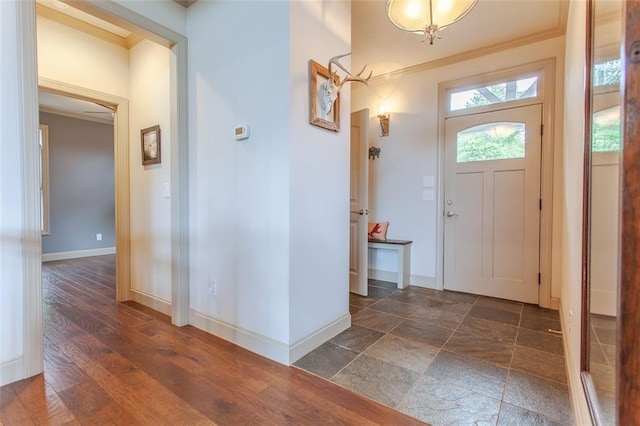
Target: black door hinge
(539,278)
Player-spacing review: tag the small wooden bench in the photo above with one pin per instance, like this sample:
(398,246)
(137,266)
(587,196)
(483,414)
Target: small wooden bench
(403,248)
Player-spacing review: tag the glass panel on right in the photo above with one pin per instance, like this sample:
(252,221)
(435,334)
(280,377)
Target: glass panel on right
(604,203)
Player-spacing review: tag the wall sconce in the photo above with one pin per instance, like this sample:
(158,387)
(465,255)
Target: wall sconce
(374,153)
(384,124)
(383,115)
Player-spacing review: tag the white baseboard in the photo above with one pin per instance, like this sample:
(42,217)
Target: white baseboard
(11,371)
(555,304)
(151,301)
(425,282)
(576,391)
(249,340)
(309,343)
(391,276)
(265,346)
(62,255)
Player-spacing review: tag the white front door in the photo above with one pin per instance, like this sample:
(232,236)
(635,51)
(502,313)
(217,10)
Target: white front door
(358,204)
(492,203)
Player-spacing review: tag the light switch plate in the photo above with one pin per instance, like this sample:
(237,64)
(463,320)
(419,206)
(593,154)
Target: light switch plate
(428,181)
(428,195)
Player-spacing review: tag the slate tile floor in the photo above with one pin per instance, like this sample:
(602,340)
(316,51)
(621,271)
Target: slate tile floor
(602,363)
(450,358)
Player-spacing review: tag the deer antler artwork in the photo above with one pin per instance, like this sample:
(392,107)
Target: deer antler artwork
(327,92)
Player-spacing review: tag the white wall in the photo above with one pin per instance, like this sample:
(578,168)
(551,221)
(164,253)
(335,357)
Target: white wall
(73,57)
(165,12)
(11,209)
(268,215)
(149,104)
(319,204)
(410,151)
(571,191)
(239,190)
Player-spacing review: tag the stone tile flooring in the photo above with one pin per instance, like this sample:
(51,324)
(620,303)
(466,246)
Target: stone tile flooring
(450,358)
(602,364)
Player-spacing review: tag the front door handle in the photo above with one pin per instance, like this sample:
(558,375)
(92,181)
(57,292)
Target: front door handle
(360,212)
(451,214)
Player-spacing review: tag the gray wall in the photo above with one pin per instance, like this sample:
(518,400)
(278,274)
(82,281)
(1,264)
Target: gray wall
(81,176)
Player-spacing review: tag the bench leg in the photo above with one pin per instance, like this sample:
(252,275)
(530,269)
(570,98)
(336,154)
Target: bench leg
(404,267)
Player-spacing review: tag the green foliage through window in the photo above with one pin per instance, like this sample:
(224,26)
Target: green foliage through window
(504,91)
(607,73)
(605,130)
(492,141)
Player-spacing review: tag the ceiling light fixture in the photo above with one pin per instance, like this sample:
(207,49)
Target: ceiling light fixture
(427,17)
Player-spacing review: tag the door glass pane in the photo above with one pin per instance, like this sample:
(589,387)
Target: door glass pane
(606,130)
(491,141)
(607,73)
(505,91)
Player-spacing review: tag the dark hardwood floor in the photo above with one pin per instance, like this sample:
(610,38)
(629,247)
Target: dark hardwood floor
(122,363)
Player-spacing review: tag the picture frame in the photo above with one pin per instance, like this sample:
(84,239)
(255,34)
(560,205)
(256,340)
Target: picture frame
(318,115)
(150,139)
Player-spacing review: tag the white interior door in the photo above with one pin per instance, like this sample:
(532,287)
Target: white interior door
(358,204)
(492,203)
(604,232)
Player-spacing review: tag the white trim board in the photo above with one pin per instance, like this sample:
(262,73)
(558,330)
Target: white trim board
(151,301)
(309,343)
(576,391)
(414,280)
(265,346)
(11,371)
(62,255)
(32,355)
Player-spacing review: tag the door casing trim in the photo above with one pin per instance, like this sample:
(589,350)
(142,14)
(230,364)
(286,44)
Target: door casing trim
(32,358)
(546,69)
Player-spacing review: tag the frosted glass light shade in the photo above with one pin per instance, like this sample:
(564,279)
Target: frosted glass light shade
(418,15)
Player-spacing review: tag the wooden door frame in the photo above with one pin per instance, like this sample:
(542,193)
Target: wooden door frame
(546,70)
(628,352)
(121,173)
(32,360)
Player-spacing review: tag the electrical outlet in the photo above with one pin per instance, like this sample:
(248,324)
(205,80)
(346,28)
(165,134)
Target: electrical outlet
(570,320)
(98,237)
(213,287)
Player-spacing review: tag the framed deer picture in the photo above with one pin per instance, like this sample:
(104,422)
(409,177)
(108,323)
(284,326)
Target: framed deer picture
(324,96)
(324,101)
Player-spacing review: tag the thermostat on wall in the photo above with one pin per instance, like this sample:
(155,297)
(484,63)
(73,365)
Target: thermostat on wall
(241,132)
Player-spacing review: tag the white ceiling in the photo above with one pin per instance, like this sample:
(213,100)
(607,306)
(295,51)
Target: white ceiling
(490,24)
(74,106)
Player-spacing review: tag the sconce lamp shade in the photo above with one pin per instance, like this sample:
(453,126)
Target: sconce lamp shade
(427,16)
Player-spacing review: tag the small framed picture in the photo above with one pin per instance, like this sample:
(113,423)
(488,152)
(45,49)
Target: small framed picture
(150,145)
(324,100)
